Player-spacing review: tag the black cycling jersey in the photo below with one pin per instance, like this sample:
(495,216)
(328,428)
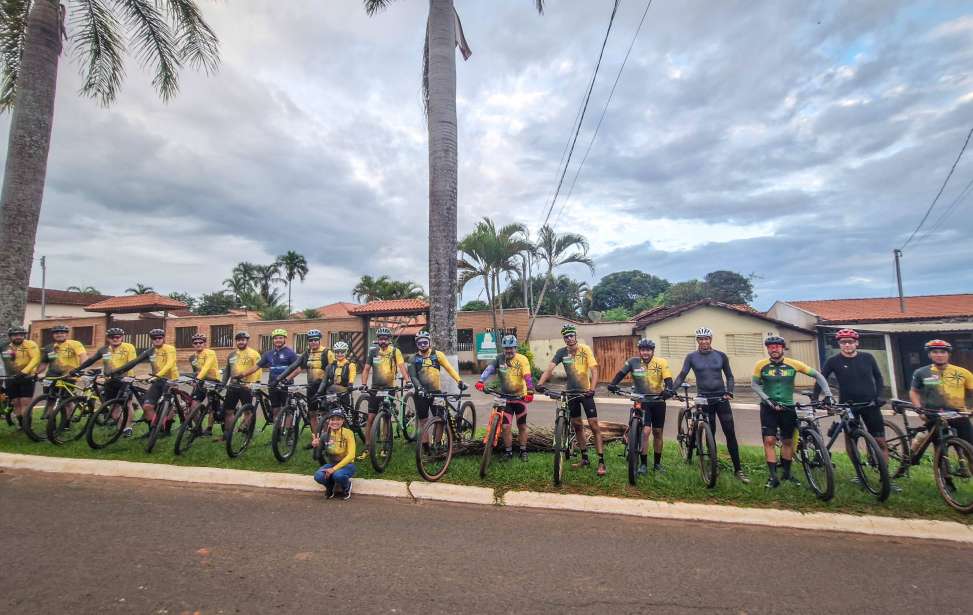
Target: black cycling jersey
(859,379)
(709,368)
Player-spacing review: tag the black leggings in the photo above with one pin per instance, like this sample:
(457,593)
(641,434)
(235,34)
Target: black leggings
(722,409)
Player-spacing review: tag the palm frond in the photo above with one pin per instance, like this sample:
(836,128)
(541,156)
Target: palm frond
(539,5)
(154,42)
(13,32)
(197,43)
(99,45)
(375,6)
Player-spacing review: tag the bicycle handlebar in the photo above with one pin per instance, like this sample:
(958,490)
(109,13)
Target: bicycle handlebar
(635,396)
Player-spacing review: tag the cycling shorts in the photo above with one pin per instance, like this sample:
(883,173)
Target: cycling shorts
(588,403)
(19,388)
(155,392)
(236,395)
(515,409)
(654,414)
(771,420)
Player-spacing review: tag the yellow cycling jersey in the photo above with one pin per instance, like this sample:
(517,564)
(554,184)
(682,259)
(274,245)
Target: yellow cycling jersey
(943,387)
(113,358)
(23,358)
(342,373)
(205,366)
(426,369)
(384,365)
(576,366)
(65,356)
(163,361)
(648,378)
(513,374)
(241,361)
(316,362)
(339,447)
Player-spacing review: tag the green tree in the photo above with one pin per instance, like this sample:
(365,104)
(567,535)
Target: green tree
(684,292)
(273,312)
(186,298)
(475,306)
(624,288)
(310,313)
(729,287)
(564,297)
(556,250)
(385,288)
(84,290)
(219,302)
(294,266)
(646,303)
(439,96)
(165,35)
(617,314)
(487,253)
(140,289)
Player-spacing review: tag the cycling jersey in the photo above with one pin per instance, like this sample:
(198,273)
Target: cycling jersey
(63,357)
(576,366)
(314,362)
(241,361)
(943,387)
(709,368)
(859,379)
(648,378)
(384,364)
(339,447)
(774,381)
(340,373)
(163,361)
(23,358)
(114,358)
(425,369)
(514,374)
(278,361)
(204,363)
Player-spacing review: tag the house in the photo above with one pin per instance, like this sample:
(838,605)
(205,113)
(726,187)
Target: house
(895,336)
(51,303)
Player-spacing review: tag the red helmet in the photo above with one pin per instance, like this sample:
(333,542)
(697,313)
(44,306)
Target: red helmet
(938,345)
(846,334)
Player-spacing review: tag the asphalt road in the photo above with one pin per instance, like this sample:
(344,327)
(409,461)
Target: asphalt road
(86,545)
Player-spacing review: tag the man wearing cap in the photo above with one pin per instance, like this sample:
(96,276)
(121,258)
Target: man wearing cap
(205,366)
(117,359)
(277,360)
(64,355)
(944,386)
(21,358)
(162,358)
(424,370)
(242,365)
(516,380)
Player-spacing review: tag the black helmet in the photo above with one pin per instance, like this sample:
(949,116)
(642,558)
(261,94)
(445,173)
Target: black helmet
(241,335)
(337,413)
(775,339)
(199,337)
(646,343)
(154,333)
(60,329)
(115,331)
(17,330)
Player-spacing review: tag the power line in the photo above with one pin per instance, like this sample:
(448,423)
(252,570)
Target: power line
(603,111)
(938,194)
(584,109)
(946,213)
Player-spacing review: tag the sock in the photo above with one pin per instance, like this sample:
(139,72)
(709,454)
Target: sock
(786,465)
(645,459)
(523,449)
(509,449)
(601,458)
(657,458)
(772,466)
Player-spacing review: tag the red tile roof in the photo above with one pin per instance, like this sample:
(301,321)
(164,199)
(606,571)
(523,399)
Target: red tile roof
(657,314)
(390,307)
(149,302)
(881,309)
(63,297)
(334,310)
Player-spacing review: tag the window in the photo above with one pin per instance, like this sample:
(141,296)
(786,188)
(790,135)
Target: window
(677,345)
(300,342)
(744,344)
(47,337)
(85,335)
(464,339)
(266,343)
(184,337)
(221,336)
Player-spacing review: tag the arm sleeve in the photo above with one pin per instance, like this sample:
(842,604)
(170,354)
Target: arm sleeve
(349,452)
(92,359)
(444,362)
(34,354)
(668,383)
(686,365)
(490,368)
(352,373)
(826,371)
(169,364)
(207,365)
(141,358)
(730,382)
(916,381)
(758,388)
(529,381)
(626,368)
(227,369)
(822,382)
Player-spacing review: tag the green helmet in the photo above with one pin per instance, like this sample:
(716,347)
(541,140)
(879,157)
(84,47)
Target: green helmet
(278,332)
(568,329)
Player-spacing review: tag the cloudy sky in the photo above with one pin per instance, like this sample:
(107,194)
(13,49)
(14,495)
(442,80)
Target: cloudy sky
(798,141)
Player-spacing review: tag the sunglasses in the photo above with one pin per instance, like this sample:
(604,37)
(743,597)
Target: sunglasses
(198,343)
(158,338)
(114,337)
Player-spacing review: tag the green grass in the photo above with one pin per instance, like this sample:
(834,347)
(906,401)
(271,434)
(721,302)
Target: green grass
(919,497)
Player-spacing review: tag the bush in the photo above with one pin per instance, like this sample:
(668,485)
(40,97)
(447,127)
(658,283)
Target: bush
(535,371)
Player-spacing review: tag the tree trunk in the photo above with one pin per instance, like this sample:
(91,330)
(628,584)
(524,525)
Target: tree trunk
(441,119)
(540,302)
(289,308)
(488,280)
(27,149)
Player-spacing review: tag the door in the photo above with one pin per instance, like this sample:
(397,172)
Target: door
(612,352)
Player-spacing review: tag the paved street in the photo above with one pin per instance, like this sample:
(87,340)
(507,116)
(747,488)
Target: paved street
(85,545)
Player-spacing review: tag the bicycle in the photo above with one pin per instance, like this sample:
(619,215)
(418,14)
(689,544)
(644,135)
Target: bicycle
(695,435)
(636,424)
(564,436)
(952,460)
(59,395)
(380,438)
(192,428)
(6,408)
(74,403)
(105,425)
(401,406)
(245,420)
(494,428)
(290,422)
(447,423)
(171,405)
(811,451)
(864,452)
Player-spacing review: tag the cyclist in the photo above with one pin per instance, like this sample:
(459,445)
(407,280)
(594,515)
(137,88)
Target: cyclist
(859,381)
(773,382)
(943,386)
(315,361)
(63,356)
(581,370)
(162,359)
(710,367)
(340,374)
(118,358)
(243,366)
(205,367)
(513,372)
(650,376)
(339,449)
(424,369)
(382,362)
(277,359)
(21,358)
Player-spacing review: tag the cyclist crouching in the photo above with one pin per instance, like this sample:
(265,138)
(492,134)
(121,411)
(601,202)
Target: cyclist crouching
(339,451)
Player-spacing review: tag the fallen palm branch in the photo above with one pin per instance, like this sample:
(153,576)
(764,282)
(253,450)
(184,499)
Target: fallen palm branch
(542,439)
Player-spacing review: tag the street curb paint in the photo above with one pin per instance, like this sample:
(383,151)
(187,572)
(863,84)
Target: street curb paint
(446,492)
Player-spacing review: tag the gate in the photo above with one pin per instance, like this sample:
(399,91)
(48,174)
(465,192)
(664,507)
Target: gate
(612,352)
(137,331)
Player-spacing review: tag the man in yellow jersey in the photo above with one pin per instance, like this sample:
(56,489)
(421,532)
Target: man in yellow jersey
(205,367)
(943,386)
(581,370)
(424,371)
(117,358)
(63,356)
(315,361)
(162,361)
(382,363)
(242,367)
(21,358)
(513,371)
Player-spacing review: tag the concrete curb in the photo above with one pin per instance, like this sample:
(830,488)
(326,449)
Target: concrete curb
(420,490)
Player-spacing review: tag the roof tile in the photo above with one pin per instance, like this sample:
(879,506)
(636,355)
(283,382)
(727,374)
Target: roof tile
(392,306)
(880,309)
(149,302)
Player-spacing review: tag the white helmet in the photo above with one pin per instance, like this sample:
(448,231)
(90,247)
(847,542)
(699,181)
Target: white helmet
(341,346)
(704,332)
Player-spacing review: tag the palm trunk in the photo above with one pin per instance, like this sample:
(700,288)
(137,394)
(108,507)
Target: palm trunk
(540,302)
(488,279)
(289,308)
(441,119)
(26,168)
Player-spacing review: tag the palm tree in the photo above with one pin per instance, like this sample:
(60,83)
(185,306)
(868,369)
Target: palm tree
(140,289)
(489,252)
(556,250)
(294,266)
(84,290)
(165,34)
(439,97)
(265,278)
(372,289)
(367,288)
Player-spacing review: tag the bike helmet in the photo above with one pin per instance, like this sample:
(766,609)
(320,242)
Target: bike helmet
(337,413)
(241,335)
(775,339)
(423,335)
(704,332)
(568,329)
(383,331)
(199,337)
(938,345)
(314,334)
(845,334)
(278,333)
(115,331)
(509,341)
(154,333)
(17,330)
(646,343)
(340,347)
(60,329)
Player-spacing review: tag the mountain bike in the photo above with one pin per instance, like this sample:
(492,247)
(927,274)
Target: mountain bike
(105,426)
(172,405)
(863,451)
(192,428)
(6,408)
(290,422)
(811,451)
(245,419)
(564,436)
(67,401)
(694,435)
(952,458)
(384,423)
(401,406)
(636,424)
(448,422)
(494,427)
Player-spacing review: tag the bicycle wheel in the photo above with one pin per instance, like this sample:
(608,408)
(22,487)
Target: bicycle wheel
(361,406)
(816,461)
(190,429)
(158,423)
(496,420)
(434,450)
(560,449)
(953,468)
(634,448)
(105,425)
(241,431)
(900,454)
(706,450)
(62,423)
(283,439)
(466,422)
(866,457)
(684,436)
(380,445)
(409,417)
(35,417)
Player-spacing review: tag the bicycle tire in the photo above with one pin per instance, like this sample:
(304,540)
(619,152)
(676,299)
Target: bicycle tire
(816,461)
(361,405)
(560,449)
(947,482)
(634,448)
(466,422)
(496,419)
(70,412)
(709,467)
(433,462)
(900,453)
(189,430)
(241,431)
(158,424)
(105,425)
(380,441)
(684,436)
(35,417)
(409,423)
(872,471)
(283,439)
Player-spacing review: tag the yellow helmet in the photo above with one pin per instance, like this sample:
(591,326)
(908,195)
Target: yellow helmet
(276,332)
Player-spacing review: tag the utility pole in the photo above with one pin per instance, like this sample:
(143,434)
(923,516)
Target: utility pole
(43,287)
(898,277)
